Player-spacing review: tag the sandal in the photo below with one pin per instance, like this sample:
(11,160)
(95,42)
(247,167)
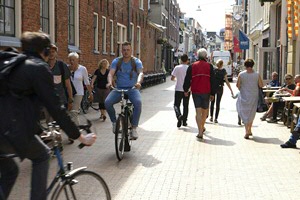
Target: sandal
(246,136)
(200,136)
(103,117)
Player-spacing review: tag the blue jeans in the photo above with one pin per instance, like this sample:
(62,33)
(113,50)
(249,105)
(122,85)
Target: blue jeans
(134,96)
(296,133)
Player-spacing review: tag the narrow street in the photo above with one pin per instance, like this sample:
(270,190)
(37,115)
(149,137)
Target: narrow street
(170,163)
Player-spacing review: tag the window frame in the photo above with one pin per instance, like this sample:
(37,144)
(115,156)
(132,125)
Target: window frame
(14,41)
(103,31)
(74,46)
(96,32)
(138,42)
(112,37)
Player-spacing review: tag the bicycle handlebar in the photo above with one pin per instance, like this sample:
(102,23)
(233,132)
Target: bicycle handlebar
(87,129)
(52,134)
(122,90)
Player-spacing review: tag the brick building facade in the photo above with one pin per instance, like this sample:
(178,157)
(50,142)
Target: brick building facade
(99,27)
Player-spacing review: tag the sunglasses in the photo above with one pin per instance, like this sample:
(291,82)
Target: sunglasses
(288,79)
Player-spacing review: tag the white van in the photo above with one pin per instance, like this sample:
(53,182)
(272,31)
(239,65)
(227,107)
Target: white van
(227,62)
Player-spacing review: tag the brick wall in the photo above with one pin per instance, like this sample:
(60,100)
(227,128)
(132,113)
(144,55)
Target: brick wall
(116,10)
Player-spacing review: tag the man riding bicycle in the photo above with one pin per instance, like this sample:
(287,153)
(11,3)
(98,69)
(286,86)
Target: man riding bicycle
(30,86)
(129,74)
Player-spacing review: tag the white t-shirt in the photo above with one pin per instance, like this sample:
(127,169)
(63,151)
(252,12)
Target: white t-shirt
(179,72)
(80,77)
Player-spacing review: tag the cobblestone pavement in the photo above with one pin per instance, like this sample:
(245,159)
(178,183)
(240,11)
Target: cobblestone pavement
(167,162)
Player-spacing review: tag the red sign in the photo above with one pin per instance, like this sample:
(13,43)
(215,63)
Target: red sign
(236,45)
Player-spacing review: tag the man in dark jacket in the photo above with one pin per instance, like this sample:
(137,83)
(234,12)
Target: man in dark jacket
(30,86)
(200,78)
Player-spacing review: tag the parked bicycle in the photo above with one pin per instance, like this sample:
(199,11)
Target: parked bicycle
(70,183)
(123,125)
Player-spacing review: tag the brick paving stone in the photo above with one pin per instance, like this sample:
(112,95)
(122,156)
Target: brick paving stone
(169,163)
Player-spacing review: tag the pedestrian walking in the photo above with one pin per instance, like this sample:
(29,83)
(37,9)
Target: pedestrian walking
(220,78)
(79,75)
(100,78)
(200,78)
(178,74)
(249,83)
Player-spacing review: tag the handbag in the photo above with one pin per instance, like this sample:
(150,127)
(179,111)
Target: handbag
(261,105)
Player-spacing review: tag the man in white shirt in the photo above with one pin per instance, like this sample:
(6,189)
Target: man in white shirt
(178,74)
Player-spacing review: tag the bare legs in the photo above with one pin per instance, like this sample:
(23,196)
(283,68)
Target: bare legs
(201,115)
(248,130)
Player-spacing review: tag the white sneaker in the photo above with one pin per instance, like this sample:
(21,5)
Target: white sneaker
(133,134)
(114,126)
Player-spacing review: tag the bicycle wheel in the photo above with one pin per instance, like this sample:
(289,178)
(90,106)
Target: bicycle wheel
(120,137)
(83,185)
(85,103)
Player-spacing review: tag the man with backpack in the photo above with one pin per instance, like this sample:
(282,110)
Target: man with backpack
(129,74)
(27,83)
(61,78)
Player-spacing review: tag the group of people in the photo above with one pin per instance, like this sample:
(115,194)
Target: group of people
(43,81)
(205,83)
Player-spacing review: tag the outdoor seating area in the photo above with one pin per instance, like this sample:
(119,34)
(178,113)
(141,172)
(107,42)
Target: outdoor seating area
(153,78)
(289,115)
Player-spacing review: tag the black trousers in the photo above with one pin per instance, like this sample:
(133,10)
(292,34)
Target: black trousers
(217,99)
(276,107)
(179,96)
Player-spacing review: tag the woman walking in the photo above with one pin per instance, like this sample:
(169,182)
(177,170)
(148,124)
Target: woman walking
(220,77)
(249,82)
(100,76)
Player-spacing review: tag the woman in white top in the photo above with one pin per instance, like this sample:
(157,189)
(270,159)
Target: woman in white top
(79,76)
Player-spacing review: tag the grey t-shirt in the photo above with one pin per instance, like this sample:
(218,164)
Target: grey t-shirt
(58,79)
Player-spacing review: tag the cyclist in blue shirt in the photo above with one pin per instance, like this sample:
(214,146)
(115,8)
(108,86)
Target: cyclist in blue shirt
(129,74)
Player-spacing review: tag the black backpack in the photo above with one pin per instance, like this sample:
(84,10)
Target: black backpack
(9,60)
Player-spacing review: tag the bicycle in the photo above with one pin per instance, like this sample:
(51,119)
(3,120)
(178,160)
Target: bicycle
(123,125)
(70,183)
(85,102)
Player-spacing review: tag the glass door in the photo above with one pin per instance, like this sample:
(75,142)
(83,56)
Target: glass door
(267,62)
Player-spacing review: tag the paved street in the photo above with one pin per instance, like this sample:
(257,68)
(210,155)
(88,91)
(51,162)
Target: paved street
(168,163)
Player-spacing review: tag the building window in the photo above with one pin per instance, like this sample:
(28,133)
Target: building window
(132,36)
(7,18)
(121,35)
(141,2)
(44,16)
(138,42)
(96,29)
(73,24)
(103,35)
(111,36)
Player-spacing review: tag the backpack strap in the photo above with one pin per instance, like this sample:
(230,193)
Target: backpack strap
(133,65)
(62,72)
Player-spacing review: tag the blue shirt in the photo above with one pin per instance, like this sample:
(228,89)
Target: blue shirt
(123,75)
(274,83)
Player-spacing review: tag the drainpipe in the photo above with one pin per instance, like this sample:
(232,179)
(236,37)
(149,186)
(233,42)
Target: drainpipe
(128,26)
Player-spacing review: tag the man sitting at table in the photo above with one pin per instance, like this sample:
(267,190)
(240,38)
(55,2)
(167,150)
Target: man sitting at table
(275,106)
(274,82)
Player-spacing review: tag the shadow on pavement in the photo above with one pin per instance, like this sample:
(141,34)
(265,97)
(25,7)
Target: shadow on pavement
(267,140)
